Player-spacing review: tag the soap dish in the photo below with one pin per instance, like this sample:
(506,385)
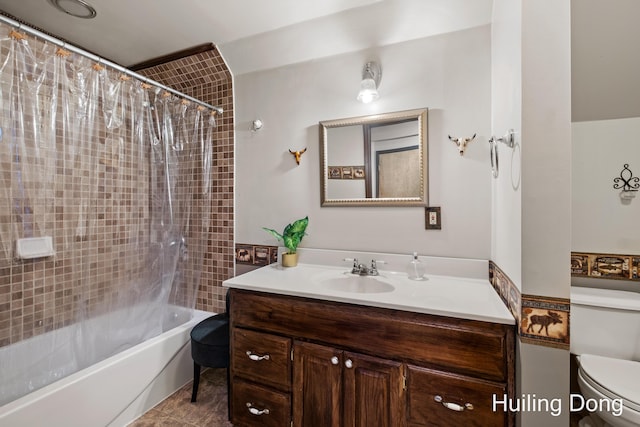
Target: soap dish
(34,247)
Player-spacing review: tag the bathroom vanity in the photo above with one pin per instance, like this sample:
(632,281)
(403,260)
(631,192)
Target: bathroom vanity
(306,353)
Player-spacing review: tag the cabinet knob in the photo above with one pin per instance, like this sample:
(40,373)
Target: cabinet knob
(348,363)
(453,406)
(256,357)
(255,411)
(334,360)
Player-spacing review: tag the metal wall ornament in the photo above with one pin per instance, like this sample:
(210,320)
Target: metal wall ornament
(628,183)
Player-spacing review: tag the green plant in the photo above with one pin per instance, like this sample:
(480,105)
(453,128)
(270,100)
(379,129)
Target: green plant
(292,234)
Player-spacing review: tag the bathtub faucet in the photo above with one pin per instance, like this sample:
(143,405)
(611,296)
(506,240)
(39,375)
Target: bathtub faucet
(182,248)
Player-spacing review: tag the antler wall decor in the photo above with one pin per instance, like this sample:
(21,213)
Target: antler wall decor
(461,143)
(298,154)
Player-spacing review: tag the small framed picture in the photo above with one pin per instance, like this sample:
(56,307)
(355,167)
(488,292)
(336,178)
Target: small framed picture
(347,172)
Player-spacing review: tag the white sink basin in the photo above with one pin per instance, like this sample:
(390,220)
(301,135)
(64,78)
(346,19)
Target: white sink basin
(347,282)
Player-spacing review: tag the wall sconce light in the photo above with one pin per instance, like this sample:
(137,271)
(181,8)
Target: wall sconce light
(628,183)
(371,74)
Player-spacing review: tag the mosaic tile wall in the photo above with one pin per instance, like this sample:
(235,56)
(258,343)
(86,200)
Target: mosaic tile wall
(40,295)
(92,247)
(206,77)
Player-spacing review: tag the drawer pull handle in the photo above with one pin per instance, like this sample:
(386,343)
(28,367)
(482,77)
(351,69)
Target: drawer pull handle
(334,360)
(348,363)
(453,406)
(257,358)
(255,411)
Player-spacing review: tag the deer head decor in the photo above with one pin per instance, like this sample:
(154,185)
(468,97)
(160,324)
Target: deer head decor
(461,143)
(297,154)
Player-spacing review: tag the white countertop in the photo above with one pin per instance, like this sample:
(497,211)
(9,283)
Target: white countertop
(461,297)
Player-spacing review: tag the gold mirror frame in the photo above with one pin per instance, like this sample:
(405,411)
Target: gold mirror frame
(419,114)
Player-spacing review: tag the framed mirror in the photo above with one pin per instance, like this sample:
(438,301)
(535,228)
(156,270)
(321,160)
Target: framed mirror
(377,160)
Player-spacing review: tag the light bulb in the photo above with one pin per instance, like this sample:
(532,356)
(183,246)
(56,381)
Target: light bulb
(368,91)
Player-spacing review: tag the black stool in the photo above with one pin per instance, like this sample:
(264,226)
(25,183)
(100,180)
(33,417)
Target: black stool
(210,346)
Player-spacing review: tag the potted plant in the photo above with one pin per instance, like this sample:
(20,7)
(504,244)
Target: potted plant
(291,237)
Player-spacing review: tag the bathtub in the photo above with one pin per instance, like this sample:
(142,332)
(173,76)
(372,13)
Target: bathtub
(115,391)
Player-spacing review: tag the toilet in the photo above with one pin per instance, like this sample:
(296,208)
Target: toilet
(605,337)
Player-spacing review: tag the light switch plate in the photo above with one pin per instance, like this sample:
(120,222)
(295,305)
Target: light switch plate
(432,218)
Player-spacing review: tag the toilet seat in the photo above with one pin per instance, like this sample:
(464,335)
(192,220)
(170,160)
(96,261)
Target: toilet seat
(614,378)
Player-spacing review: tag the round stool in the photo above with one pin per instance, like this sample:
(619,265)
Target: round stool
(209,346)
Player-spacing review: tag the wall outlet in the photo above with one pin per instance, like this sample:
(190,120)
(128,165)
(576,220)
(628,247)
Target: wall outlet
(432,218)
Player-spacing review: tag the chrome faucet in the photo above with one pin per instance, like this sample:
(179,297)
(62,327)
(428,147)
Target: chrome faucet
(363,270)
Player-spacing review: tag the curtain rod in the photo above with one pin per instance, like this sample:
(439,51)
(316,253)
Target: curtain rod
(103,61)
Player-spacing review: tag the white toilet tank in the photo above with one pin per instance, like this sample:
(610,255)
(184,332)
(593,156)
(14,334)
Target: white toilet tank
(605,322)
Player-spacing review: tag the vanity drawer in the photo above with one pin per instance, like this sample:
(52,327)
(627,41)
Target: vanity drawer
(260,357)
(467,347)
(428,391)
(254,405)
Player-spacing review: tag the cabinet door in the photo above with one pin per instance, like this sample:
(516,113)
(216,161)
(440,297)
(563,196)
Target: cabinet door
(373,392)
(317,386)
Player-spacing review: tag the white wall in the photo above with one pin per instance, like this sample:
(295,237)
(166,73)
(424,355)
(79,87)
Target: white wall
(532,93)
(600,222)
(449,74)
(506,112)
(546,147)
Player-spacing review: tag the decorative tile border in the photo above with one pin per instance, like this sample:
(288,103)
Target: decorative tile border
(605,266)
(540,320)
(346,172)
(507,290)
(249,254)
(545,321)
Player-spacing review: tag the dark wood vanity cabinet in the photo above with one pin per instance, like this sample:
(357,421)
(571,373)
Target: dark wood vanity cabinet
(305,362)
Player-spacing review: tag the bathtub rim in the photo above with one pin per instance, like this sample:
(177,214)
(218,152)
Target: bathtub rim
(40,394)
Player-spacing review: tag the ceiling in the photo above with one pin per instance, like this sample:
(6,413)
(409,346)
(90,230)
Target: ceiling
(251,34)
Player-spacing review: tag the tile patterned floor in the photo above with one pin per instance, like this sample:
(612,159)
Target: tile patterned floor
(210,410)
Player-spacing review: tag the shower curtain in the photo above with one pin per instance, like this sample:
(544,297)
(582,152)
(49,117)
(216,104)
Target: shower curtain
(118,173)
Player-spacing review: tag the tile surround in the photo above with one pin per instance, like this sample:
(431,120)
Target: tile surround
(205,76)
(40,295)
